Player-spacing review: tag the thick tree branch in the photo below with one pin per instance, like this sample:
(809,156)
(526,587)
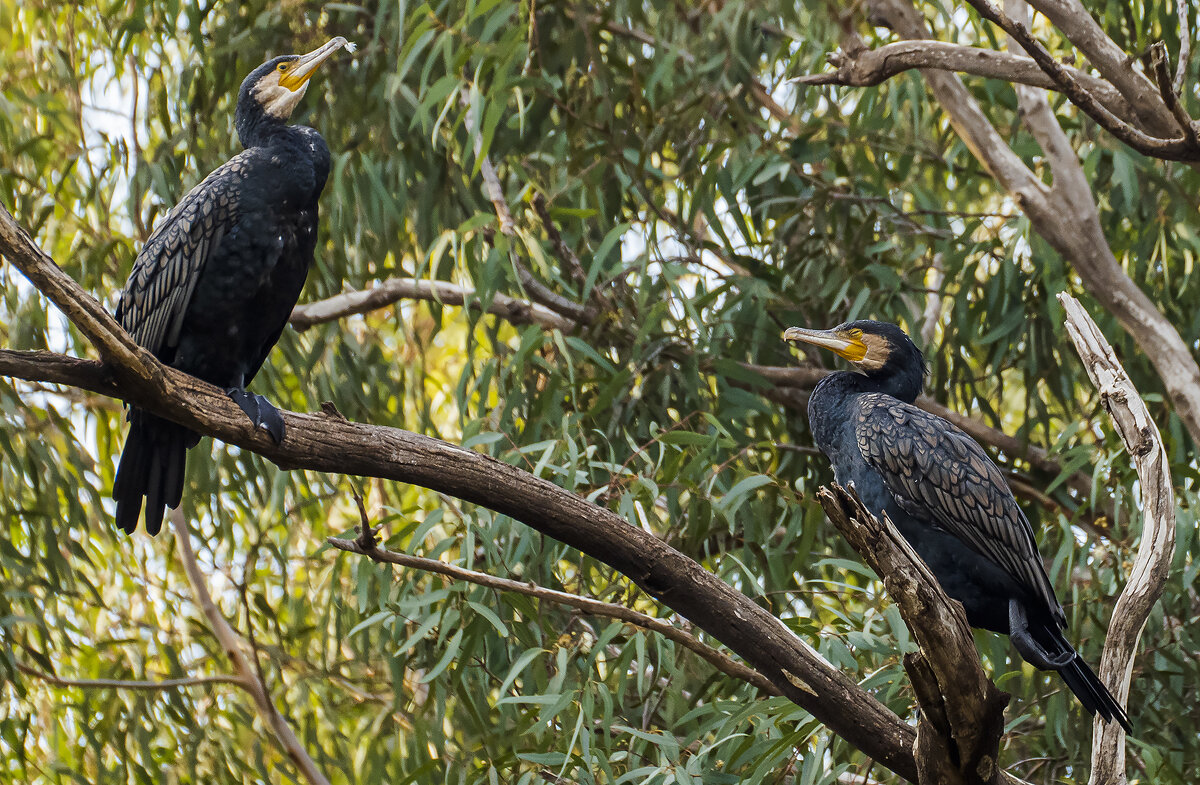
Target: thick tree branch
(97,325)
(962,712)
(394,289)
(719,660)
(247,671)
(333,444)
(868,67)
(1151,566)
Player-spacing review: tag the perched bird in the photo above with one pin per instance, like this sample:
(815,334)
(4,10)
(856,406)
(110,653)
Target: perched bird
(944,495)
(212,288)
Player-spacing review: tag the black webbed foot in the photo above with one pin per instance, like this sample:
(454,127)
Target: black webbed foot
(260,411)
(1033,652)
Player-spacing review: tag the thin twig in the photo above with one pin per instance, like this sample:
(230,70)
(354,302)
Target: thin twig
(366,545)
(393,290)
(537,290)
(129,684)
(233,645)
(564,251)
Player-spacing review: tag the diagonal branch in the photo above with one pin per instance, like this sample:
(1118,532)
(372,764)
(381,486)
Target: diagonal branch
(1070,181)
(719,660)
(1151,566)
(247,670)
(85,313)
(329,443)
(129,684)
(1073,20)
(962,712)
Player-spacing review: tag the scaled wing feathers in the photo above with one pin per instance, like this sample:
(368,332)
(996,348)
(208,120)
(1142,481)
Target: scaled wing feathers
(164,276)
(941,474)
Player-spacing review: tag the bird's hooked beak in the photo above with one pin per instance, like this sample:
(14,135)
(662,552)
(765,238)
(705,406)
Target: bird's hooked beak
(843,343)
(301,69)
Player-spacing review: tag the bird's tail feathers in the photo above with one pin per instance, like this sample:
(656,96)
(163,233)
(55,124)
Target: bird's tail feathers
(151,468)
(1092,693)
(1043,640)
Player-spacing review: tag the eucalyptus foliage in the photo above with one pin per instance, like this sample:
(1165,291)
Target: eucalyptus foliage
(704,225)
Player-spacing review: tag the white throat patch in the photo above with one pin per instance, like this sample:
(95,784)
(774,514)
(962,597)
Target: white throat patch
(277,100)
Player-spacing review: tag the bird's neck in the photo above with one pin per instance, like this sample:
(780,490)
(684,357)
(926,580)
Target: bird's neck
(828,406)
(259,129)
(899,385)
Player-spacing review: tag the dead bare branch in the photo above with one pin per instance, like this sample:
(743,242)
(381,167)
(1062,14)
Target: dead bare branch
(962,712)
(393,290)
(1151,566)
(867,67)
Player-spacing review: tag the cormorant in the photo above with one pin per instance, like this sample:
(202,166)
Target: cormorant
(944,494)
(214,285)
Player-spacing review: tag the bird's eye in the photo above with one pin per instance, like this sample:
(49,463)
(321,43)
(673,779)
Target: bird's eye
(856,333)
(283,66)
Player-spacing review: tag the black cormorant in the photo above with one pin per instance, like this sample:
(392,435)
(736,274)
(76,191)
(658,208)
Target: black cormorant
(945,496)
(212,288)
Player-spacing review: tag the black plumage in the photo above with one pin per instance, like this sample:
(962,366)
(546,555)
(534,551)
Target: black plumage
(944,494)
(212,289)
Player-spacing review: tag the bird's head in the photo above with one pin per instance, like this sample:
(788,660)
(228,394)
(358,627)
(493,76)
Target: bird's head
(275,88)
(877,349)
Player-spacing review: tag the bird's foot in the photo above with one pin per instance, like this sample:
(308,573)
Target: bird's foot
(260,411)
(1033,652)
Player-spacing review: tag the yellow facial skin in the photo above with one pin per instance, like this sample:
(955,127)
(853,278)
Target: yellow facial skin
(280,90)
(868,352)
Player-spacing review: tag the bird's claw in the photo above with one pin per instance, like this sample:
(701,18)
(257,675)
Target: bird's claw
(1032,651)
(260,411)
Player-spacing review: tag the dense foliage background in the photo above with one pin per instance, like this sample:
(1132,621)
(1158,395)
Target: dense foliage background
(704,223)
